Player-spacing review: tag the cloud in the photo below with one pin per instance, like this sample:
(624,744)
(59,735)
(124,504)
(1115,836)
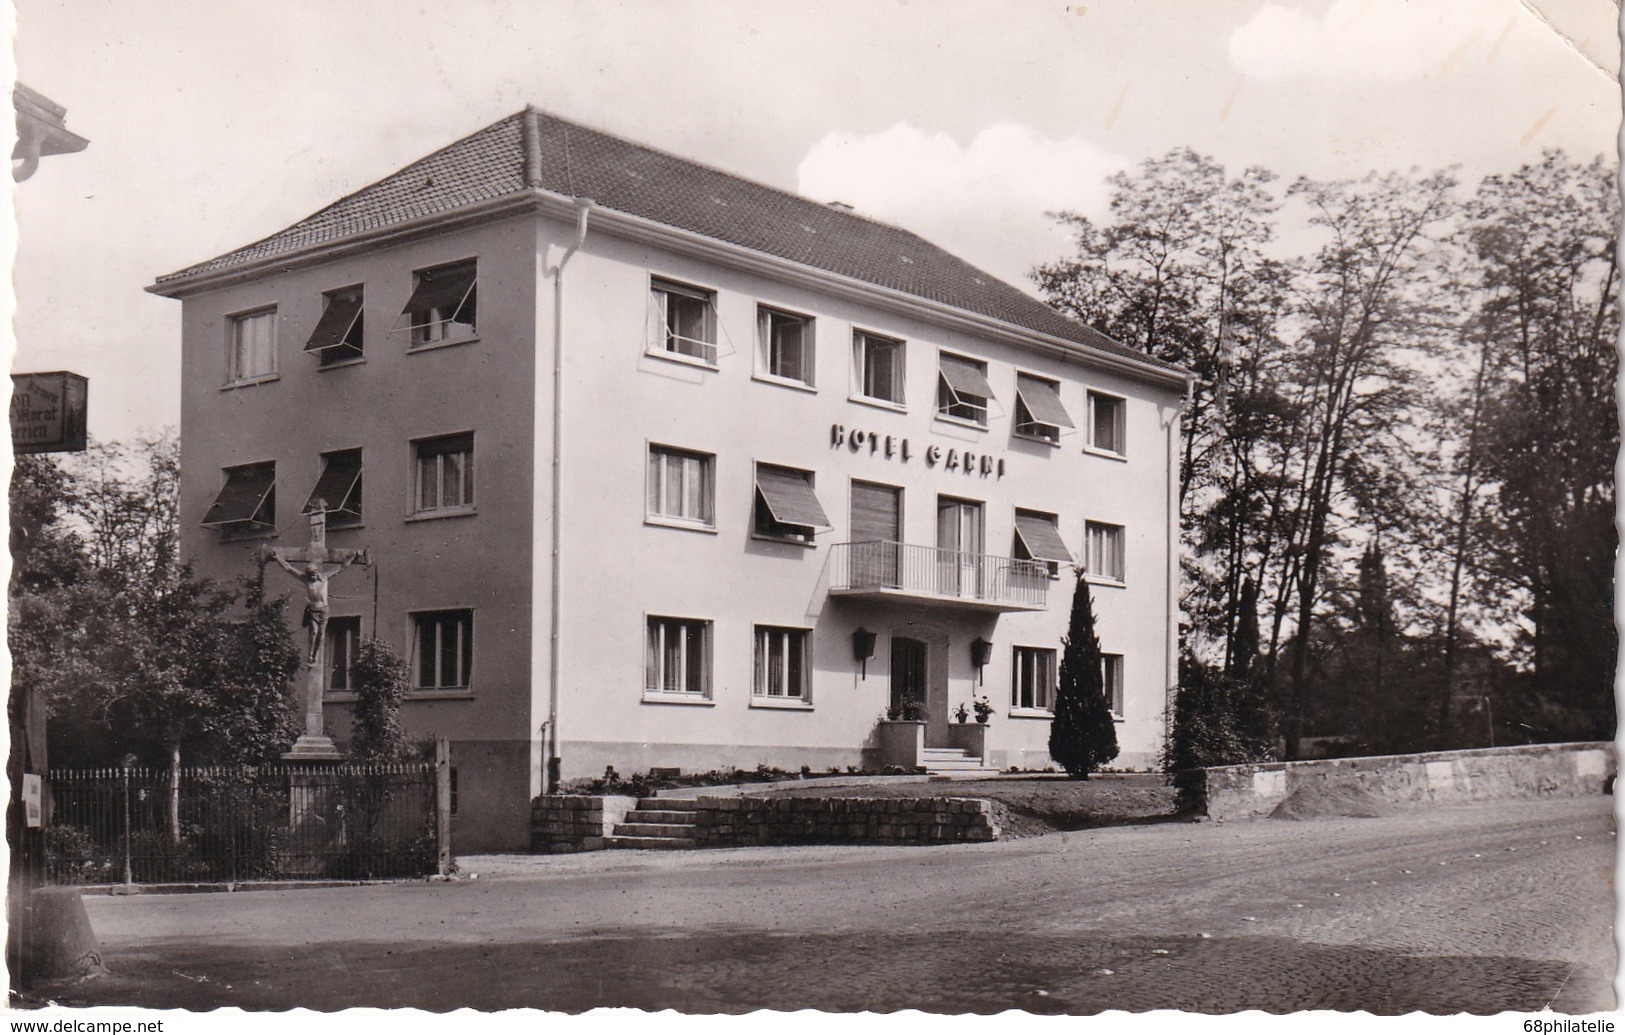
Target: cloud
(1363,40)
(985,200)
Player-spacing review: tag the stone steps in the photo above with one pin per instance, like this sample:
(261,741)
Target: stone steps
(956,762)
(656,823)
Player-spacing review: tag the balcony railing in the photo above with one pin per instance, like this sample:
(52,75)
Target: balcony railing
(926,573)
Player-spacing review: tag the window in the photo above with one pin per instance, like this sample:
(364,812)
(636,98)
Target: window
(246,504)
(781,663)
(444,649)
(338,490)
(785,343)
(681,486)
(786,507)
(678,660)
(1038,539)
(253,346)
(1105,551)
(445,474)
(443,306)
(1033,680)
(337,337)
(1039,413)
(1111,675)
(686,320)
(343,640)
(1106,432)
(879,365)
(962,389)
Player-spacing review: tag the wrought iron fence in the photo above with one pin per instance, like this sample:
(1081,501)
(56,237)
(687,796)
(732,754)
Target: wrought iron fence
(928,571)
(230,824)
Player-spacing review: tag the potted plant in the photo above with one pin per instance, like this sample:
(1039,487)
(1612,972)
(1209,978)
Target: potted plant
(962,714)
(984,709)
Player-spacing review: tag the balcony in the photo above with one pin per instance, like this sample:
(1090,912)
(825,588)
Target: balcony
(881,570)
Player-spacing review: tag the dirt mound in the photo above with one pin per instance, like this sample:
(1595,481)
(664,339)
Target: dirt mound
(1322,800)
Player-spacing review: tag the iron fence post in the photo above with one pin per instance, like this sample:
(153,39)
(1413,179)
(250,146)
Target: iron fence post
(442,805)
(129,879)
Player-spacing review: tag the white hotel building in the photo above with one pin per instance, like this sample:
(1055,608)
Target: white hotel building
(663,467)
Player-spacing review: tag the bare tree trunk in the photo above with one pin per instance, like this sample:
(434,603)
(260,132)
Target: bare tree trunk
(174,809)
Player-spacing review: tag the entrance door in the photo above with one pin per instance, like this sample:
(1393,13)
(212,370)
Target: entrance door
(907,671)
(959,547)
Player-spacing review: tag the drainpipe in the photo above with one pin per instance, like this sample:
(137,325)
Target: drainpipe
(551,729)
(1171,634)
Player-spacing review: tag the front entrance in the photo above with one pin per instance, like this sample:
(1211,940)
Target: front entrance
(919,671)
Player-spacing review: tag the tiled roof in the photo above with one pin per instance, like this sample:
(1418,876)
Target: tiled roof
(577,161)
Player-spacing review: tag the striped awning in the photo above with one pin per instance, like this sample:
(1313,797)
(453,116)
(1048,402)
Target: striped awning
(965,377)
(341,314)
(789,498)
(1043,401)
(1041,539)
(242,496)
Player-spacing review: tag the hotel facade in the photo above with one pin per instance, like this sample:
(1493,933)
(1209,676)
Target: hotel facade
(660,467)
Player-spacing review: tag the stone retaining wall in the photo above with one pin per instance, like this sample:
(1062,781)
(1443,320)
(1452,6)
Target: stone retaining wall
(1438,777)
(576,822)
(896,821)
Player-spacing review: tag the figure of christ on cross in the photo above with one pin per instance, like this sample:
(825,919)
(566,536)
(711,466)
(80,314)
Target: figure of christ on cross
(314,566)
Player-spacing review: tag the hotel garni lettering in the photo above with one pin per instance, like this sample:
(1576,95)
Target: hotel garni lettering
(893,447)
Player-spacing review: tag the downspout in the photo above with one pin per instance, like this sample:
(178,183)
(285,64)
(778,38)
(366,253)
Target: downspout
(1171,633)
(551,782)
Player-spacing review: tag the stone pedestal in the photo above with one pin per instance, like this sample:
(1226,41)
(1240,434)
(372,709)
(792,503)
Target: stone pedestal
(313,745)
(319,748)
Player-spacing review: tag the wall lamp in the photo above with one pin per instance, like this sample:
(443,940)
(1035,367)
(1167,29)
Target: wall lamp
(981,652)
(863,648)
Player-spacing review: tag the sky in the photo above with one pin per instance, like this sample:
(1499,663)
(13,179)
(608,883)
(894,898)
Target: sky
(213,123)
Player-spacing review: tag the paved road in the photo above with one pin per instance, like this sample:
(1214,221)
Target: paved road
(1477,909)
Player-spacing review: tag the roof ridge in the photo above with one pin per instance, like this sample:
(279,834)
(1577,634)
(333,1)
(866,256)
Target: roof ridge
(848,212)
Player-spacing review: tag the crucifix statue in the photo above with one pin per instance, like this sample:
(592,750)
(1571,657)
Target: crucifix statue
(314,566)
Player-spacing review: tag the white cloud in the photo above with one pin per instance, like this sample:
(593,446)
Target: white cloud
(985,200)
(1364,40)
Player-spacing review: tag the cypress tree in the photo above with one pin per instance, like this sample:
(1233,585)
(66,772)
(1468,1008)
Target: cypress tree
(1082,737)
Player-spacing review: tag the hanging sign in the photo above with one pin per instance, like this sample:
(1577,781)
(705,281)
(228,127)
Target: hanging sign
(48,412)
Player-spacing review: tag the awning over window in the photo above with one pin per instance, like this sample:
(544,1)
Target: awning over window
(965,377)
(243,495)
(337,319)
(1042,541)
(1043,401)
(336,487)
(444,288)
(790,498)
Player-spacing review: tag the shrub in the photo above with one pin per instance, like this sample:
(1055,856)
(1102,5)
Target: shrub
(1082,736)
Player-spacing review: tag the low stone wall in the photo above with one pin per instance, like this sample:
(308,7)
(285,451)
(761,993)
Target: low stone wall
(576,822)
(728,822)
(1438,777)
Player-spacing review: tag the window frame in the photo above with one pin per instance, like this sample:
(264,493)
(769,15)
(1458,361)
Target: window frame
(653,689)
(419,339)
(1119,425)
(1018,546)
(661,290)
(1017,424)
(252,527)
(1112,682)
(796,641)
(351,348)
(652,493)
(338,516)
(1041,701)
(464,616)
(342,631)
(861,341)
(1121,558)
(765,342)
(235,322)
(765,527)
(466,505)
(959,409)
